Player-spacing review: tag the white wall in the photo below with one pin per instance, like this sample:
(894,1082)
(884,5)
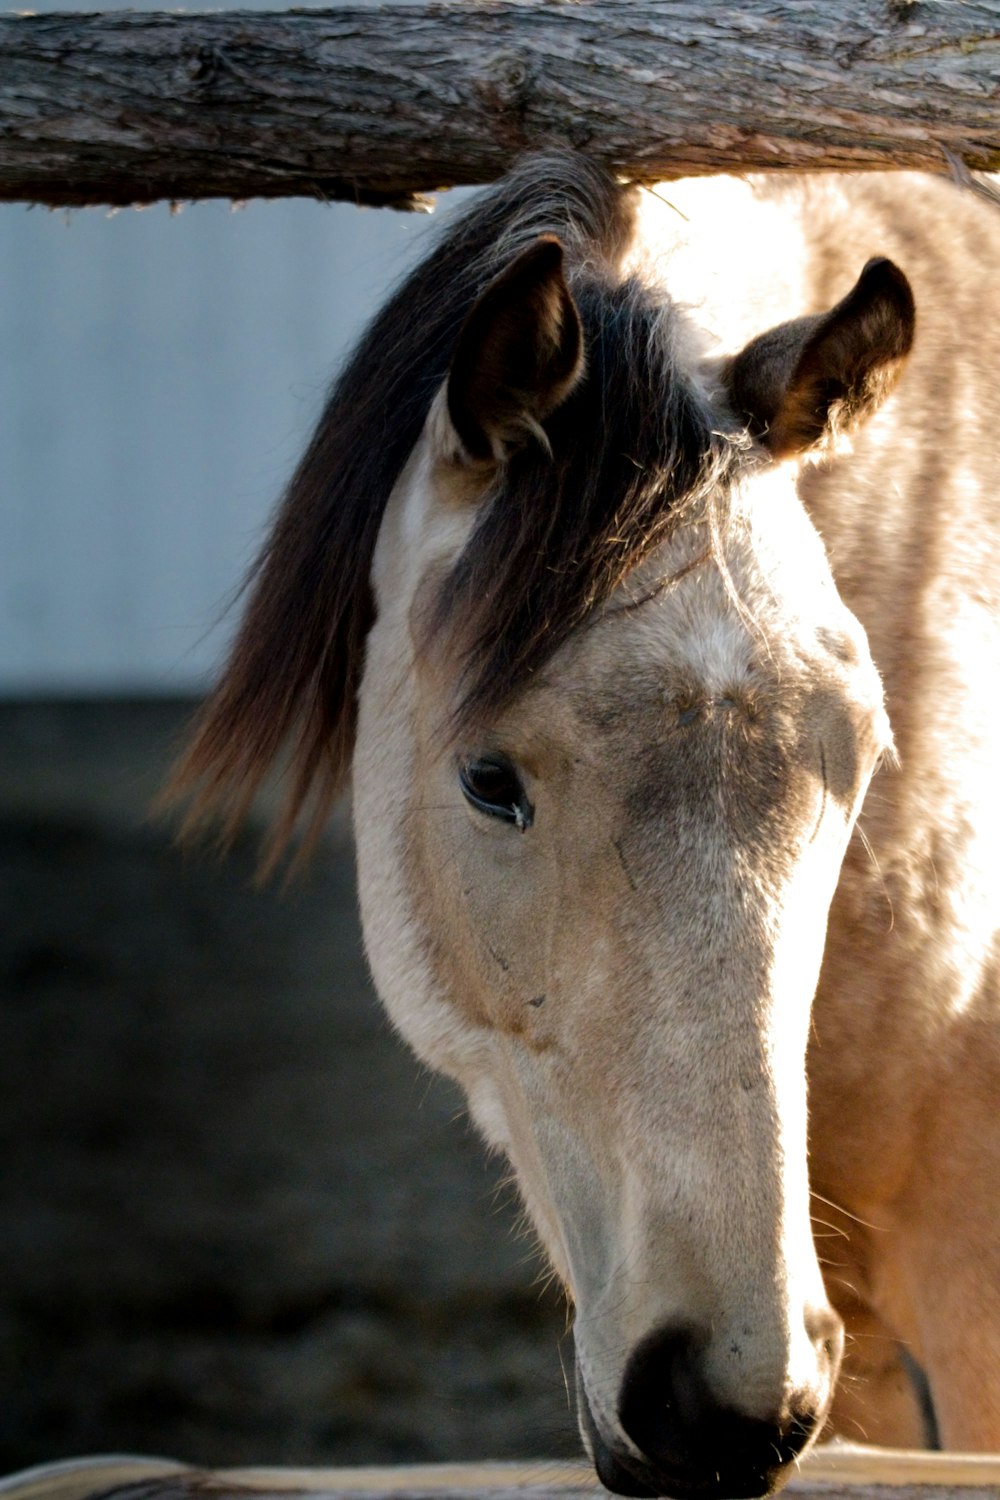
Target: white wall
(159,375)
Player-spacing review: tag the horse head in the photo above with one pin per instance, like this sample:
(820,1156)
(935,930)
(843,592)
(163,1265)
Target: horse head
(614,726)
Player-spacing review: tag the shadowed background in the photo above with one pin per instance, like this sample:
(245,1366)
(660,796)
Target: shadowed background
(240,1224)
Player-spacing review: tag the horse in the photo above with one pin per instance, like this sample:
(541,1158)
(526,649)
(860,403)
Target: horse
(642,574)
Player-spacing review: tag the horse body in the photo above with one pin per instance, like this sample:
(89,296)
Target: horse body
(616,720)
(910,976)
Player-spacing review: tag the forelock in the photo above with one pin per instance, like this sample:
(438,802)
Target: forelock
(635,448)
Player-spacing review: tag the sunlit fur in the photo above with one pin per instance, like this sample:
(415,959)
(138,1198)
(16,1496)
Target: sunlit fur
(625,989)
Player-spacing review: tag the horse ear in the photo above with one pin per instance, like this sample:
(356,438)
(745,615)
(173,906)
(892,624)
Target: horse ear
(813,378)
(519,354)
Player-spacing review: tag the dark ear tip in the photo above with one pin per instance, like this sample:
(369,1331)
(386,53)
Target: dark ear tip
(546,254)
(538,263)
(881,271)
(881,265)
(882,277)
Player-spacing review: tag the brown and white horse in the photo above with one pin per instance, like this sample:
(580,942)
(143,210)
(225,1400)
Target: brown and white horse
(641,529)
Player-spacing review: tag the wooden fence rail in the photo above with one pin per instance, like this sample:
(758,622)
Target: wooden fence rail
(832,1473)
(381,104)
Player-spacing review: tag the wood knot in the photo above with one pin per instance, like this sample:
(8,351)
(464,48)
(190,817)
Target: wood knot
(200,62)
(504,87)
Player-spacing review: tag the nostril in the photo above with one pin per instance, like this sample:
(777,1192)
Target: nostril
(663,1393)
(823,1324)
(826,1331)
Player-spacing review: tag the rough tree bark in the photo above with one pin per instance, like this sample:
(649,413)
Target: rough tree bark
(378,105)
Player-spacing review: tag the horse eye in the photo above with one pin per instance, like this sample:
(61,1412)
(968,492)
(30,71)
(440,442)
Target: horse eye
(493,786)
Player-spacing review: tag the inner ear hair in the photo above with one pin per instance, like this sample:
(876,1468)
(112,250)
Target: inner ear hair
(518,356)
(806,381)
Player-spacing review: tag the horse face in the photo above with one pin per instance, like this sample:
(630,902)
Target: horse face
(613,727)
(603,911)
(605,916)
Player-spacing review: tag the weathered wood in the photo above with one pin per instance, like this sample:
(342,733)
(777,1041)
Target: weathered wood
(377,105)
(833,1473)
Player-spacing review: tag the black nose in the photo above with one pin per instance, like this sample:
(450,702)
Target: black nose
(671,1415)
(692,1445)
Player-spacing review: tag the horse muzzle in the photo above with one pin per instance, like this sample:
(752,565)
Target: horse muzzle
(678,1439)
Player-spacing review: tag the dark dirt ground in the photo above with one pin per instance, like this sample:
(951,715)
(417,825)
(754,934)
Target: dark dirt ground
(240,1224)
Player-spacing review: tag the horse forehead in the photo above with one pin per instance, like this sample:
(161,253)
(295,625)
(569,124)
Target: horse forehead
(756,611)
(658,637)
(643,670)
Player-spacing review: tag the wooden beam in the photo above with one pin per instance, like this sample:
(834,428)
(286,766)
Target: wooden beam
(837,1472)
(382,104)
